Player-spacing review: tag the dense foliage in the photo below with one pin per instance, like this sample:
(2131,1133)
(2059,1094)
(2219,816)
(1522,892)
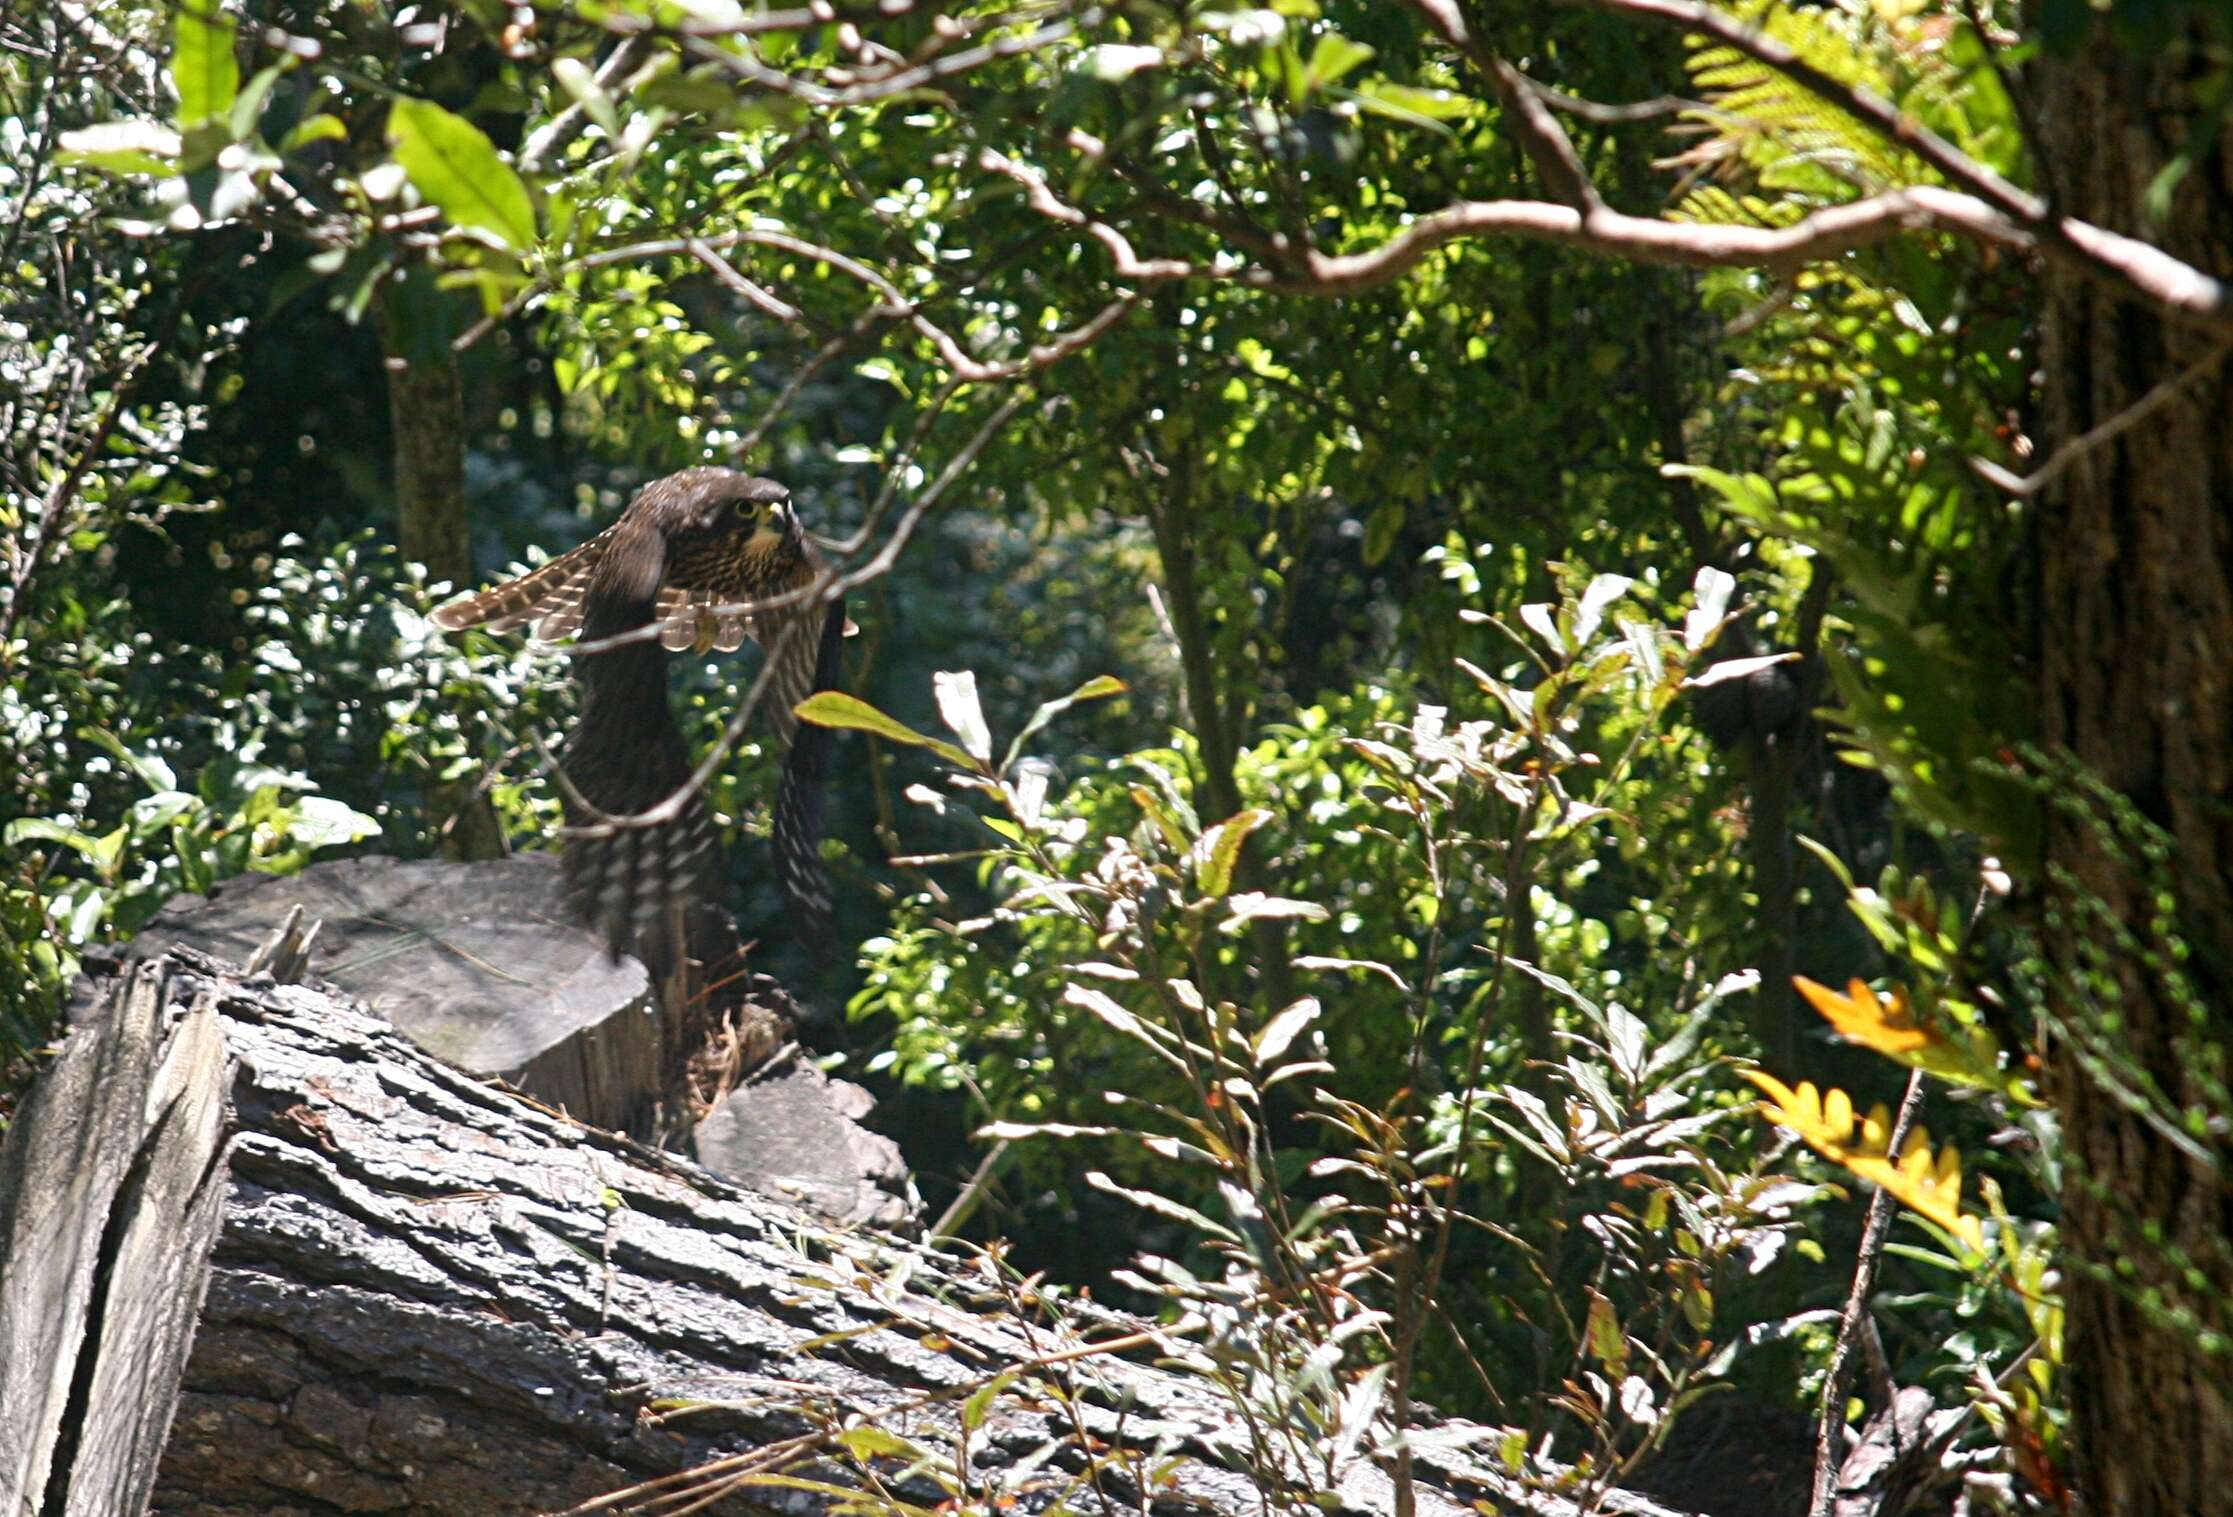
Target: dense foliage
(1411,719)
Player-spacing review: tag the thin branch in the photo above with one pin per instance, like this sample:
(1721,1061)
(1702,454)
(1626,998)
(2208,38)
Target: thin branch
(554,136)
(898,81)
(1597,113)
(752,294)
(822,358)
(957,358)
(2178,290)
(2024,486)
(1041,198)
(1831,1420)
(1547,145)
(1644,239)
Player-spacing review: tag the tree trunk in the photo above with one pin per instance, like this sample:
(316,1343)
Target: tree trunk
(426,1296)
(2136,641)
(426,418)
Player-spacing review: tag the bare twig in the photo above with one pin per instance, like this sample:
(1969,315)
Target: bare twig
(554,136)
(752,294)
(2026,485)
(1831,1420)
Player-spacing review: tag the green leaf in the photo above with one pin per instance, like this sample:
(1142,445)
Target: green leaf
(1331,60)
(1606,1343)
(151,769)
(979,1405)
(250,105)
(121,147)
(203,70)
(321,822)
(455,166)
(1281,1031)
(1254,905)
(1380,531)
(578,81)
(1162,1206)
(39,828)
(1219,851)
(872,1442)
(1411,105)
(834,708)
(1115,62)
(311,129)
(1092,690)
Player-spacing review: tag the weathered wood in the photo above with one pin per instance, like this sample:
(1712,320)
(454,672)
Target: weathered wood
(793,1131)
(475,961)
(428,1296)
(110,1191)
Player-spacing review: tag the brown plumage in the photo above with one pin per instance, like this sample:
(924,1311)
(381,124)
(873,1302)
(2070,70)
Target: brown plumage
(686,544)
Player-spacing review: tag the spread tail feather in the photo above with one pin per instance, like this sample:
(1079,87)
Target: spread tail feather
(630,885)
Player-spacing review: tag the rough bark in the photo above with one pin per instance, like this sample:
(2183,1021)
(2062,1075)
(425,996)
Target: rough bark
(426,417)
(2136,633)
(428,1296)
(109,1202)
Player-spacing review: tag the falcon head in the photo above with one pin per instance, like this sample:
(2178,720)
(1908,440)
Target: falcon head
(721,503)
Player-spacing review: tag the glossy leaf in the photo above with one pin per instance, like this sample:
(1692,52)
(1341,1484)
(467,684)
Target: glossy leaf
(454,165)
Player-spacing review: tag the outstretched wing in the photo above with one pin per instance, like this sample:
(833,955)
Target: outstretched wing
(635,882)
(804,659)
(635,886)
(549,597)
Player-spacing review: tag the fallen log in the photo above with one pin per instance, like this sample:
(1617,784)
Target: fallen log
(417,1292)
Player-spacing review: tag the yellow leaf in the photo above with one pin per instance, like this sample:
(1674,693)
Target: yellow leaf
(1937,1045)
(1863,1017)
(1926,1184)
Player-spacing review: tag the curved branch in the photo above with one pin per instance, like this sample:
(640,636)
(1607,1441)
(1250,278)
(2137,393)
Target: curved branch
(2177,290)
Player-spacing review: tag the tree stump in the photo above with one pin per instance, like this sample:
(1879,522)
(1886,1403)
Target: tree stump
(425,1295)
(475,962)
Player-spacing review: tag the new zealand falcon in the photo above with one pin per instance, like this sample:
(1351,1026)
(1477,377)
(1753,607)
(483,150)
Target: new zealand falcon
(686,546)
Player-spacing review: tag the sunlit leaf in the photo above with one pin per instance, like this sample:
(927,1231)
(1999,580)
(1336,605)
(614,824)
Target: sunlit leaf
(455,166)
(1255,905)
(1219,851)
(1737,668)
(203,70)
(962,712)
(121,147)
(1282,1030)
(1964,1056)
(314,129)
(1098,688)
(1825,1122)
(834,708)
(1332,57)
(1607,1345)
(1712,588)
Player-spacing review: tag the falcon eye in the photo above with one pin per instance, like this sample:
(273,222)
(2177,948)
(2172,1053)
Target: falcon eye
(750,511)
